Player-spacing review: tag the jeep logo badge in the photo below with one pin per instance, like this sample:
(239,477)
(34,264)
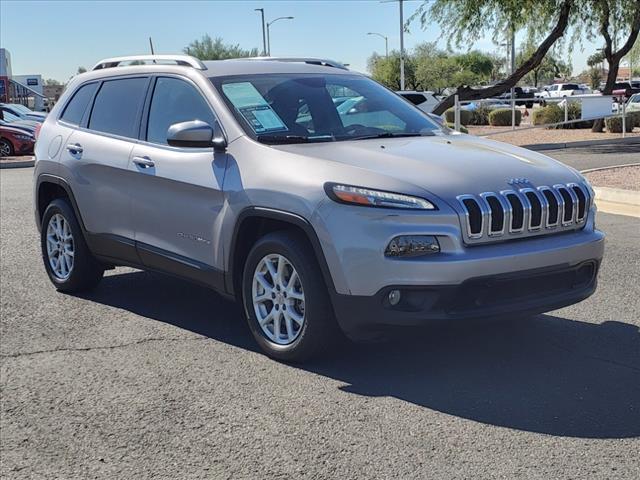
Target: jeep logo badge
(519,182)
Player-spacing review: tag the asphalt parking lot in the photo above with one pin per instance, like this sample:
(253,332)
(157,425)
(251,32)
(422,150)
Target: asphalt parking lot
(150,377)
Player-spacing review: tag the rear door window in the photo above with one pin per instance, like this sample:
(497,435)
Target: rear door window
(116,109)
(76,107)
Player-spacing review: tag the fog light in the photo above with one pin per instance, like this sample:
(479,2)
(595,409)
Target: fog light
(394,297)
(412,246)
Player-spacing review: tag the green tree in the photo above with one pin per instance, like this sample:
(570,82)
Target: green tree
(633,58)
(547,70)
(618,23)
(470,20)
(207,48)
(387,70)
(81,70)
(52,82)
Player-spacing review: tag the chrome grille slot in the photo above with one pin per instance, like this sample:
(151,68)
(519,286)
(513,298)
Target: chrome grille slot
(553,208)
(517,212)
(474,213)
(524,212)
(582,201)
(535,217)
(567,198)
(496,227)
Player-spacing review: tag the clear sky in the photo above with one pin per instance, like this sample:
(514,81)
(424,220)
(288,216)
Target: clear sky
(53,37)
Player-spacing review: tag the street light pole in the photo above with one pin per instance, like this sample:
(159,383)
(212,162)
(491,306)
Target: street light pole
(386,42)
(264,37)
(268,32)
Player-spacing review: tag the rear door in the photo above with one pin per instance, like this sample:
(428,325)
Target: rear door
(97,155)
(178,195)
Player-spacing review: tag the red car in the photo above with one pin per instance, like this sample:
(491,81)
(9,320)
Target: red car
(15,141)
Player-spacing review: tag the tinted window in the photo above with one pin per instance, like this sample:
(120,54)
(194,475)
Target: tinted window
(116,107)
(76,107)
(175,101)
(414,98)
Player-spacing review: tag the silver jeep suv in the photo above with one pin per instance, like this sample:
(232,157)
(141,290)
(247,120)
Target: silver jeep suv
(317,197)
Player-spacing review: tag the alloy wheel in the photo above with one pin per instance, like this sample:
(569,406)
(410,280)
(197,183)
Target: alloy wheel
(60,247)
(278,299)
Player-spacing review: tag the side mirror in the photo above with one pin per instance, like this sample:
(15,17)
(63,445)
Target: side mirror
(196,134)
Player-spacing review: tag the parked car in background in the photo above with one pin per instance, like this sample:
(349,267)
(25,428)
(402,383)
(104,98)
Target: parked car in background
(490,104)
(23,112)
(425,101)
(15,141)
(633,104)
(622,90)
(522,97)
(560,90)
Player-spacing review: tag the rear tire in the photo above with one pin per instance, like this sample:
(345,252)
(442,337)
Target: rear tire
(69,263)
(282,285)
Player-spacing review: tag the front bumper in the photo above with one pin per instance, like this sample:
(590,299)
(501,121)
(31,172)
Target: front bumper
(518,293)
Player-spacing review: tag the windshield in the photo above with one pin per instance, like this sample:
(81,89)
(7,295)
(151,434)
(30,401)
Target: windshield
(303,108)
(20,108)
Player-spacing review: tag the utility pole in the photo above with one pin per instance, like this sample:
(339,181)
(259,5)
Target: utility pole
(400,2)
(401,46)
(264,34)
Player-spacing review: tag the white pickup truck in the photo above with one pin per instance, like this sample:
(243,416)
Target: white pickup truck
(561,90)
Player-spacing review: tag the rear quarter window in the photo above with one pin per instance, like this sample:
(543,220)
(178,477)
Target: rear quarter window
(74,111)
(117,106)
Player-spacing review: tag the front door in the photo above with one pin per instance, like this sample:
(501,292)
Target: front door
(177,195)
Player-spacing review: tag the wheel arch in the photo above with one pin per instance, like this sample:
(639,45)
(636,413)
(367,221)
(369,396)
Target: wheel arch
(49,187)
(254,222)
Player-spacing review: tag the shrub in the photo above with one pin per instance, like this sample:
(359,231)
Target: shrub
(463,129)
(614,124)
(480,116)
(554,113)
(465,116)
(501,117)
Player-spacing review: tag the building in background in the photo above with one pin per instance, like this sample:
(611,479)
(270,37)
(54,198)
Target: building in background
(24,89)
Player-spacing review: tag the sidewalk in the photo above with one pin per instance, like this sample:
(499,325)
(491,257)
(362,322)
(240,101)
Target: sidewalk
(17,162)
(617,189)
(544,136)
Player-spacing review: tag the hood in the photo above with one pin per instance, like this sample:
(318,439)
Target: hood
(445,165)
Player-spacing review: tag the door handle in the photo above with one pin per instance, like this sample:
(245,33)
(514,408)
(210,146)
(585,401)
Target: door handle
(75,148)
(143,162)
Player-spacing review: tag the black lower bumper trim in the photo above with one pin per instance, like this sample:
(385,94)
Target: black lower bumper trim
(521,293)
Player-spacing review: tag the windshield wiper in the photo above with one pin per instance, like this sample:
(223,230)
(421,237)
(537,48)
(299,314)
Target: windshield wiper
(292,139)
(392,135)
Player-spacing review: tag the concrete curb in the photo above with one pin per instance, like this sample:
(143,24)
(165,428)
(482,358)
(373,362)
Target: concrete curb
(22,164)
(599,169)
(618,201)
(583,143)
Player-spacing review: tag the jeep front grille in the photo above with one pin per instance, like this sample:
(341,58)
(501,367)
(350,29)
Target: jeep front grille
(524,212)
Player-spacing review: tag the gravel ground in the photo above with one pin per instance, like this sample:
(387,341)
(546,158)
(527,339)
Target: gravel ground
(541,135)
(627,178)
(149,377)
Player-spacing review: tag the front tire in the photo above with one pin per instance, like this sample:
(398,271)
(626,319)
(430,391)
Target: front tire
(6,148)
(285,298)
(69,263)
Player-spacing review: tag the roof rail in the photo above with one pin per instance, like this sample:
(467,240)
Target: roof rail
(184,60)
(312,61)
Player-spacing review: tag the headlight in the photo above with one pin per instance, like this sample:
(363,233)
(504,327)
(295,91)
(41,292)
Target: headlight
(375,198)
(24,137)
